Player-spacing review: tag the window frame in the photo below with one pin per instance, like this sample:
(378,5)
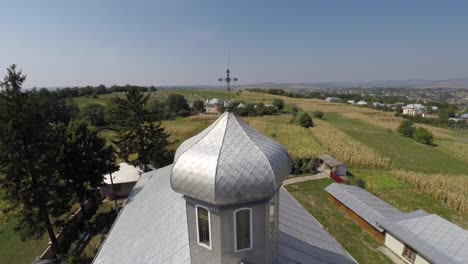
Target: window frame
(198,229)
(271,231)
(250,229)
(411,251)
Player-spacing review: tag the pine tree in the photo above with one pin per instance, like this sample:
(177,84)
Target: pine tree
(28,158)
(141,133)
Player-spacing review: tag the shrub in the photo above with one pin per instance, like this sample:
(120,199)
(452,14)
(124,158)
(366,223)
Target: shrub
(361,183)
(279,104)
(306,121)
(422,135)
(406,128)
(318,114)
(293,110)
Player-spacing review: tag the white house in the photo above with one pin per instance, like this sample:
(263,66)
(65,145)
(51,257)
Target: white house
(351,102)
(333,99)
(423,238)
(361,103)
(123,180)
(414,109)
(212,106)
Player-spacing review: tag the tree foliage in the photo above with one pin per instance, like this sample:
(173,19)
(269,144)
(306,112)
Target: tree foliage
(318,114)
(424,136)
(198,106)
(94,113)
(279,103)
(85,158)
(178,104)
(141,133)
(29,129)
(406,128)
(305,120)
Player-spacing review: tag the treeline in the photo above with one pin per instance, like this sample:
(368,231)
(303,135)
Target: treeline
(93,91)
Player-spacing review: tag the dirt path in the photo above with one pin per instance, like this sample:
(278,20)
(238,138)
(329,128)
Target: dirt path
(320,175)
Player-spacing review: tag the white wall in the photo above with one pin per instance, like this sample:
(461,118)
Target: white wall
(397,247)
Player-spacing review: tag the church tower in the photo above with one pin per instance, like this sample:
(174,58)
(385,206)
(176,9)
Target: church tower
(230,176)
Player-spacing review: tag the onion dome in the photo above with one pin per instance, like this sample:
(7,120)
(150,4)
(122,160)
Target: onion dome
(229,163)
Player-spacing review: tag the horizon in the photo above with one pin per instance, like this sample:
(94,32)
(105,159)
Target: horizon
(181,43)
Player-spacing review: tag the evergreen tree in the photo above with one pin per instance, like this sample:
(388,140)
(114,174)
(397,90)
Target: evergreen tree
(85,158)
(141,133)
(28,159)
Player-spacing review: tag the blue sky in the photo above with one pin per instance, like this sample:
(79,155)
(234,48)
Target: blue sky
(60,43)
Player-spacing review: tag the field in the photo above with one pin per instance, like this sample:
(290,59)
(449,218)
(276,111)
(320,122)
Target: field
(406,174)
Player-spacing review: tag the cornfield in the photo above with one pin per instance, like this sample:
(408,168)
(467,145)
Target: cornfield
(451,190)
(297,140)
(346,149)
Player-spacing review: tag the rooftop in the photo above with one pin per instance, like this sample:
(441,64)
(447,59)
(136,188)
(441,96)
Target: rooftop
(366,205)
(229,163)
(126,173)
(433,237)
(330,160)
(152,228)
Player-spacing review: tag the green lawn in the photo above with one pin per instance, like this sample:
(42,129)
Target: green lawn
(360,245)
(403,196)
(13,250)
(405,153)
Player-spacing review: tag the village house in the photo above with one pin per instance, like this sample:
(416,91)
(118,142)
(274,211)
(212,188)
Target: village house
(221,201)
(122,181)
(414,109)
(329,164)
(213,106)
(333,99)
(416,237)
(351,102)
(361,103)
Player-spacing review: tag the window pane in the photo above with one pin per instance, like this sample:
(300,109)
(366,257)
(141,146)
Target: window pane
(243,229)
(203,226)
(272,216)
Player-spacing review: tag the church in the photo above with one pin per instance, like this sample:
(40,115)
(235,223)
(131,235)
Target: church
(221,201)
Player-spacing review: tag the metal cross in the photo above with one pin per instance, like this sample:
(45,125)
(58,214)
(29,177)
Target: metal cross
(228,80)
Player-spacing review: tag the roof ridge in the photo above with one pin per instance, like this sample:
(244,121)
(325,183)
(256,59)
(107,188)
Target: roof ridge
(219,155)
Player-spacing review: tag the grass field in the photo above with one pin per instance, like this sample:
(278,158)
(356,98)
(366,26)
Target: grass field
(360,245)
(13,250)
(404,153)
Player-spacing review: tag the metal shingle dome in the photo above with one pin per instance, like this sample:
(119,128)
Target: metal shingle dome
(229,163)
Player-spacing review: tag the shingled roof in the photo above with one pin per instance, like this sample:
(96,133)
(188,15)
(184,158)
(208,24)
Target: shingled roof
(366,205)
(433,237)
(152,228)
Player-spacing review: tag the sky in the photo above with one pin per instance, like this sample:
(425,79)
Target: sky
(87,42)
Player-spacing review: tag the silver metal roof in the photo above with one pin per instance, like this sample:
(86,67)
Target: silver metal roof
(368,206)
(302,239)
(152,228)
(433,237)
(330,160)
(126,173)
(229,163)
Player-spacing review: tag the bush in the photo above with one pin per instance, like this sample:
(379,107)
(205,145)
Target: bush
(294,110)
(424,136)
(406,128)
(361,183)
(306,121)
(318,114)
(279,104)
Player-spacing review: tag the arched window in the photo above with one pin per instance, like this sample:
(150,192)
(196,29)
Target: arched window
(203,226)
(243,229)
(271,215)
